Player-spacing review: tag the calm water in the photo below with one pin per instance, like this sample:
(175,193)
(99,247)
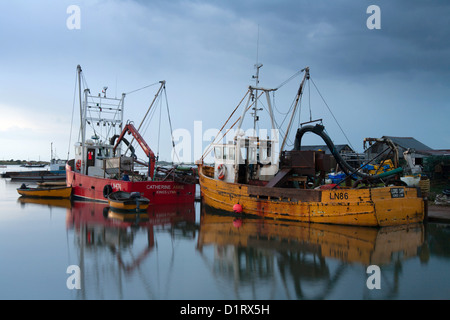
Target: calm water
(191,253)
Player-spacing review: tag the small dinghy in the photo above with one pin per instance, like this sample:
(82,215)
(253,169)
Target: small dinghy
(45,192)
(122,200)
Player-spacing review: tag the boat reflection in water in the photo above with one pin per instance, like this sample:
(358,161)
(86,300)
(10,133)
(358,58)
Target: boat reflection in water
(113,245)
(305,256)
(49,202)
(169,252)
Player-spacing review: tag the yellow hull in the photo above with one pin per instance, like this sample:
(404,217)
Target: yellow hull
(350,244)
(385,206)
(123,206)
(57,192)
(127,217)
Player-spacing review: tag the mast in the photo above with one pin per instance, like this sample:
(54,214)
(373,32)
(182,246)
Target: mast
(82,124)
(256,77)
(299,94)
(255,108)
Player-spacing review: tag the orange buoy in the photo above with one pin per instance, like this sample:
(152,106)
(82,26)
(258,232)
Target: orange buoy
(237,208)
(222,171)
(237,223)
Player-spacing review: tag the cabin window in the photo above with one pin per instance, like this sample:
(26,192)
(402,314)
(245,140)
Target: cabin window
(264,154)
(218,152)
(251,155)
(243,155)
(231,153)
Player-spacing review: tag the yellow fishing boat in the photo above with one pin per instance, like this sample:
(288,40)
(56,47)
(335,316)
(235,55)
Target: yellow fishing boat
(350,244)
(384,206)
(45,192)
(127,216)
(254,176)
(121,200)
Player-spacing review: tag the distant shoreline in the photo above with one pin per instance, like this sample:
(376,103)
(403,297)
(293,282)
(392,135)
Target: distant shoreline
(19,162)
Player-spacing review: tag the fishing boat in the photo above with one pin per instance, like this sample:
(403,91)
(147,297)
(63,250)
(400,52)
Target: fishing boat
(33,165)
(45,192)
(101,166)
(55,174)
(253,175)
(35,175)
(128,201)
(51,184)
(350,244)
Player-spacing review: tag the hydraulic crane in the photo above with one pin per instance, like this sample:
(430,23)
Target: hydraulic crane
(130,129)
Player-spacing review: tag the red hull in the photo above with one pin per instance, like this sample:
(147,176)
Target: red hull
(158,192)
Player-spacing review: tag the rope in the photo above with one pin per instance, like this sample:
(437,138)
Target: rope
(332,114)
(208,150)
(170,124)
(73,111)
(142,88)
(159,128)
(292,77)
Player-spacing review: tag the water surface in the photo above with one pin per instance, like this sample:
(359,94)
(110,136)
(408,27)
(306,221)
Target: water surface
(191,252)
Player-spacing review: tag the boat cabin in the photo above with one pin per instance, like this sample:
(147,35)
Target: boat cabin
(245,160)
(100,160)
(96,156)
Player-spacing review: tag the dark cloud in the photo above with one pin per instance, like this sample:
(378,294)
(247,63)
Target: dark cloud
(206,51)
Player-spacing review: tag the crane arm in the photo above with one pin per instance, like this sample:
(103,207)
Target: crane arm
(130,129)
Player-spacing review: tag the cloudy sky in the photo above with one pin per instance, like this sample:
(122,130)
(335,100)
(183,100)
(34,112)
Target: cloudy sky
(389,81)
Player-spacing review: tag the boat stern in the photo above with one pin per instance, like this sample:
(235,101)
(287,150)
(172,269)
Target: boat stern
(398,205)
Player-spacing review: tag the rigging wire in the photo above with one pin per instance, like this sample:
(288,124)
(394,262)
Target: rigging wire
(309,101)
(150,85)
(170,124)
(149,116)
(208,149)
(159,129)
(332,114)
(73,111)
(289,79)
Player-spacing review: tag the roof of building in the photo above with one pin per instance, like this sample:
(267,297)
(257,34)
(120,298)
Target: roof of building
(408,143)
(437,152)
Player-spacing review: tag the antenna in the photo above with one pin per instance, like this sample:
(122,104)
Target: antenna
(256,77)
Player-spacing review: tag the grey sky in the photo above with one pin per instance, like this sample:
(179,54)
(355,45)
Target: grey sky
(393,81)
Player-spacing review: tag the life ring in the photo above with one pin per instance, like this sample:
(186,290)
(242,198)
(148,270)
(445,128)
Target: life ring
(78,165)
(222,170)
(107,189)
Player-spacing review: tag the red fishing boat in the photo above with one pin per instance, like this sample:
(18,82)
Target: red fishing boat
(100,167)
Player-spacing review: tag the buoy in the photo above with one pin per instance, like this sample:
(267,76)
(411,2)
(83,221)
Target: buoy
(222,171)
(237,223)
(78,164)
(237,208)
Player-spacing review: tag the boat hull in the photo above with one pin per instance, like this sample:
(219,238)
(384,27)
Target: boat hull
(123,201)
(127,206)
(158,192)
(38,176)
(374,207)
(55,192)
